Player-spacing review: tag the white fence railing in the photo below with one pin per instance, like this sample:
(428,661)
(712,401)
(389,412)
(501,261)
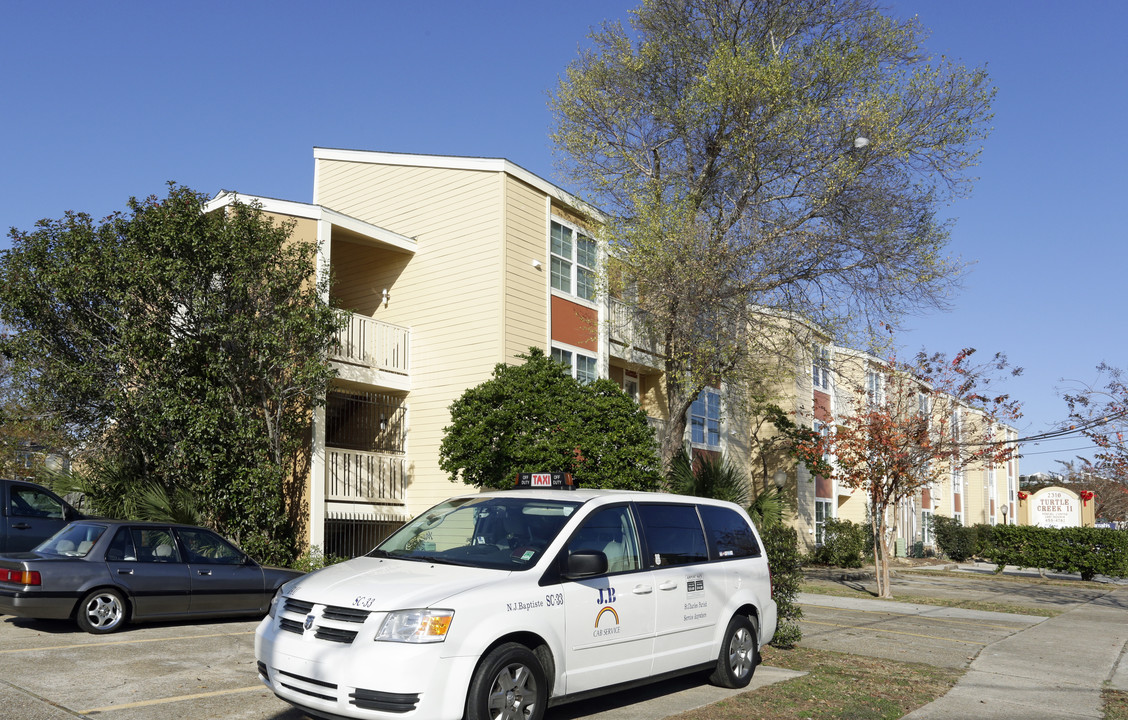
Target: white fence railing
(370,343)
(365,477)
(628,329)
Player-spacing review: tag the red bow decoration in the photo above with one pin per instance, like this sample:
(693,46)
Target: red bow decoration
(1086,496)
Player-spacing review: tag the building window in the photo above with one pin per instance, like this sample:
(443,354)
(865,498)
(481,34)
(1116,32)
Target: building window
(874,387)
(630,387)
(926,527)
(705,419)
(820,367)
(573,261)
(823,509)
(582,367)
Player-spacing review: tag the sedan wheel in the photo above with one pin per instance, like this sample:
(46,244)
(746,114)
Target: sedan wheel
(102,611)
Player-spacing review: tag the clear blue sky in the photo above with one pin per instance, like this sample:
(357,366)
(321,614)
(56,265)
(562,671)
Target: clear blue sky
(101,101)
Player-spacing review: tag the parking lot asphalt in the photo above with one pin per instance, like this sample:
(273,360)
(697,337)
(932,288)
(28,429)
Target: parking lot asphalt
(51,671)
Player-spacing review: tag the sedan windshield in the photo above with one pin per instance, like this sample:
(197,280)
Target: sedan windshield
(75,540)
(509,533)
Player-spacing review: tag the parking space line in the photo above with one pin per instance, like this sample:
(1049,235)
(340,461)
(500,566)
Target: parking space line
(894,632)
(121,642)
(929,618)
(178,698)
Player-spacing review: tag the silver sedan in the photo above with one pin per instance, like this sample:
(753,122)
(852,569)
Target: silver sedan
(104,573)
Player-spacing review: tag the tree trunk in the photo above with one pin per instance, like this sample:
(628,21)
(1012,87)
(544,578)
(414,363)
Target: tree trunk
(881,558)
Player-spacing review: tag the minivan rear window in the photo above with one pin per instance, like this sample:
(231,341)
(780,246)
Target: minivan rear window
(729,533)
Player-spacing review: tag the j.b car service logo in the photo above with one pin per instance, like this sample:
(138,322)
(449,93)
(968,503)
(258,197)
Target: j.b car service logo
(607,619)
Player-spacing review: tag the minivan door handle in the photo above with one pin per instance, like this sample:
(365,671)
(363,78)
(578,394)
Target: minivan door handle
(642,589)
(125,571)
(203,572)
(669,585)
(21,526)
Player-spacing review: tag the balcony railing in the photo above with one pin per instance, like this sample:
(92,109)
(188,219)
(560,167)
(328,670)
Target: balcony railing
(373,344)
(628,329)
(365,477)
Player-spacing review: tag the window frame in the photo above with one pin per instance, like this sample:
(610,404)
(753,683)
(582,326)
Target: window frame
(581,366)
(702,398)
(820,525)
(820,367)
(577,268)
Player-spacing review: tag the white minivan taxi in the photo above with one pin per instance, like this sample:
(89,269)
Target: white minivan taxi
(501,604)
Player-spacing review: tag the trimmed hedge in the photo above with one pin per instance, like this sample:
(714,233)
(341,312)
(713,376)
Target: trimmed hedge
(845,544)
(961,542)
(1089,551)
(782,547)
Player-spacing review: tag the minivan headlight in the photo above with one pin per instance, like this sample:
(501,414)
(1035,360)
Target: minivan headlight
(415,626)
(274,603)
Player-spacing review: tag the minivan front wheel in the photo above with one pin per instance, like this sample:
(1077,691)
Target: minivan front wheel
(738,656)
(509,684)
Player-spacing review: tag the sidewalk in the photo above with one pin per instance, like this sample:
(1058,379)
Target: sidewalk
(1055,669)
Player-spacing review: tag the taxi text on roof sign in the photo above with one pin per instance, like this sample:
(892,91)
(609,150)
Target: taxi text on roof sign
(555,481)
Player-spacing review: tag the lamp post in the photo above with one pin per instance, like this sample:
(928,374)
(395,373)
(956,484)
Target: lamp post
(1004,508)
(780,479)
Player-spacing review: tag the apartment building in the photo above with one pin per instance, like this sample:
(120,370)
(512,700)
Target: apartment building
(446,267)
(829,382)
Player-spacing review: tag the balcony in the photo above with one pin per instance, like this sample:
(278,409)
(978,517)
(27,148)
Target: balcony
(630,339)
(373,352)
(356,476)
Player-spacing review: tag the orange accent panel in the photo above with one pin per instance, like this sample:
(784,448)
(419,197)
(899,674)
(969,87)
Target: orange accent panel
(823,488)
(822,407)
(574,324)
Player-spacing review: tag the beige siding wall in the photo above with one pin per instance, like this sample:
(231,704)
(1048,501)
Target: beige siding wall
(526,287)
(450,293)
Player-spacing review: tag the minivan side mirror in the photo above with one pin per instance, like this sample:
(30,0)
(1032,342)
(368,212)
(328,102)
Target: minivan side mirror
(584,563)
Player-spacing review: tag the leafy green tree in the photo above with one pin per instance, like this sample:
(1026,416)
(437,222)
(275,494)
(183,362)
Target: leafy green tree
(186,348)
(536,417)
(768,160)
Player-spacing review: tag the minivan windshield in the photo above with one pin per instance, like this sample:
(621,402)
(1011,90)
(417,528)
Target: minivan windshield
(504,533)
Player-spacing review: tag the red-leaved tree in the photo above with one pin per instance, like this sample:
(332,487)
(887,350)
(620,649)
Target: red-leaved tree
(909,424)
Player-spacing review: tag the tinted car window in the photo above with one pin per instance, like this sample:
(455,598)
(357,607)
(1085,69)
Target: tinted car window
(729,534)
(610,531)
(202,546)
(29,502)
(155,545)
(121,547)
(673,534)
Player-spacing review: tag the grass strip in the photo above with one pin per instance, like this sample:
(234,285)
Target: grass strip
(836,685)
(830,587)
(1115,704)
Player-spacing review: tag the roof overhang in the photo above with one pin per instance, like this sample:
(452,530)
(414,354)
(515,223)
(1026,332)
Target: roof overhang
(455,162)
(365,230)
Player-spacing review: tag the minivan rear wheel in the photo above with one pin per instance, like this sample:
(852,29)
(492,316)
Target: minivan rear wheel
(509,684)
(738,656)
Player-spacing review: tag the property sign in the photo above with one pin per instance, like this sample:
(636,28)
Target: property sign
(1055,508)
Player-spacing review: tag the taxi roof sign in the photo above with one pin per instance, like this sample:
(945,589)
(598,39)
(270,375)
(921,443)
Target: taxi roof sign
(548,480)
